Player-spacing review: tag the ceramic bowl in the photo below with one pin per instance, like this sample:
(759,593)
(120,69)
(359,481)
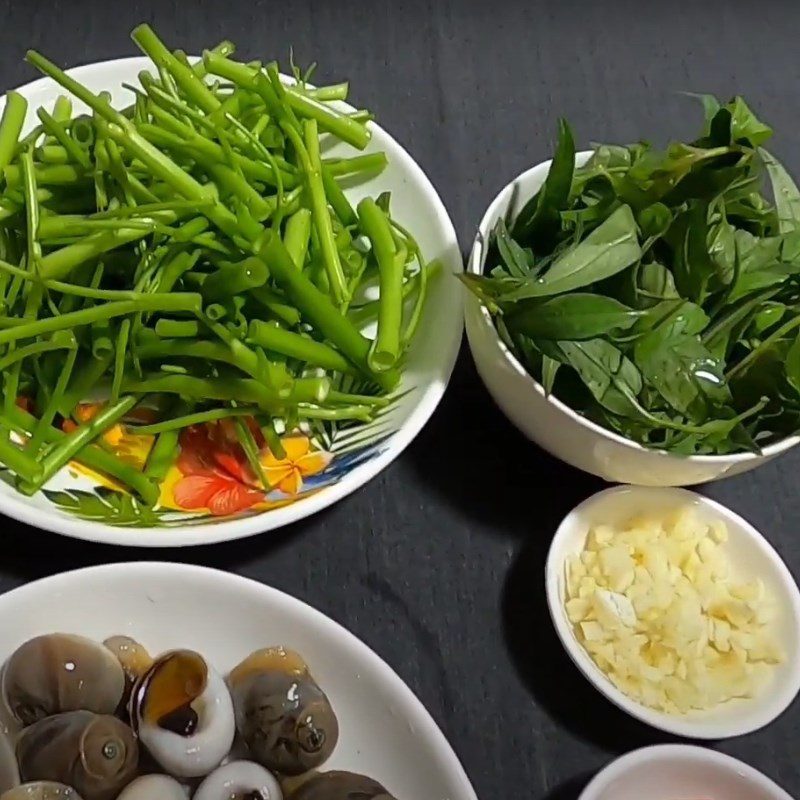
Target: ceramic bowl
(552,424)
(675,772)
(384,730)
(321,466)
(750,555)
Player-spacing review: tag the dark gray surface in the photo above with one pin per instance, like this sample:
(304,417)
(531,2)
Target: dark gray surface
(438,563)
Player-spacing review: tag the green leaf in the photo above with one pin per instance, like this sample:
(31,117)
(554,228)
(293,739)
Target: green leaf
(721,243)
(514,257)
(539,221)
(720,334)
(571,316)
(613,379)
(745,126)
(607,250)
(793,364)
(654,282)
(785,192)
(710,107)
(769,315)
(549,369)
(654,220)
(693,265)
(681,369)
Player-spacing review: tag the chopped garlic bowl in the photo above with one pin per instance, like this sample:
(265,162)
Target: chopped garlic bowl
(677,609)
(655,604)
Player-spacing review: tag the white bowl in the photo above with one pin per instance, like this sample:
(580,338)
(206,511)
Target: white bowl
(430,361)
(384,730)
(680,772)
(751,556)
(550,423)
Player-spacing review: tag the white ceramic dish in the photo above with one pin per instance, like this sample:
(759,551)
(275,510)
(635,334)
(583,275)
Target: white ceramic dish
(750,555)
(384,730)
(680,772)
(341,467)
(552,424)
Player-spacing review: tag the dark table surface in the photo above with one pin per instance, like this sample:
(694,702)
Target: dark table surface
(438,563)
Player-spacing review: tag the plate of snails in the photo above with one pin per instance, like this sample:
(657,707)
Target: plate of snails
(135,681)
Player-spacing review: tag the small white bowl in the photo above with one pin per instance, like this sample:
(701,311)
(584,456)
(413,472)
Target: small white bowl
(750,555)
(680,772)
(550,423)
(384,731)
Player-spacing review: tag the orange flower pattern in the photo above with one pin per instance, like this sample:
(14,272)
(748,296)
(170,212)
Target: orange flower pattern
(215,473)
(212,472)
(300,461)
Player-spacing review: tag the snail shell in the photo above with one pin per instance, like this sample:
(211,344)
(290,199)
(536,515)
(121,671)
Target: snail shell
(154,787)
(133,658)
(9,771)
(341,785)
(239,780)
(182,712)
(60,672)
(281,713)
(96,754)
(41,790)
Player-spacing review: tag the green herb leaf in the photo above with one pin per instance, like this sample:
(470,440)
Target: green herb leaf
(793,364)
(539,220)
(549,369)
(613,379)
(786,193)
(514,257)
(607,250)
(674,361)
(745,126)
(571,316)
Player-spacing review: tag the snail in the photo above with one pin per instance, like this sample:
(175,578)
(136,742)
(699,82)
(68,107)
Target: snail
(96,754)
(41,790)
(60,672)
(282,714)
(9,772)
(340,785)
(183,714)
(133,658)
(154,787)
(239,780)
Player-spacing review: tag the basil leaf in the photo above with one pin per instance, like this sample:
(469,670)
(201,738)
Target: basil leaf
(607,250)
(785,192)
(654,282)
(682,370)
(793,364)
(571,316)
(710,107)
(539,220)
(693,264)
(612,378)
(654,220)
(513,255)
(745,126)
(549,369)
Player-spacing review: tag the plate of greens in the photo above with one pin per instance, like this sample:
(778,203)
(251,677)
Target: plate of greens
(224,292)
(652,293)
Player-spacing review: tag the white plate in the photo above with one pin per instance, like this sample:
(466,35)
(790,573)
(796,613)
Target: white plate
(751,556)
(680,772)
(417,206)
(384,730)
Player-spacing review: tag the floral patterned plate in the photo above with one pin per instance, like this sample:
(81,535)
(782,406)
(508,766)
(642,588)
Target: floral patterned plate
(207,496)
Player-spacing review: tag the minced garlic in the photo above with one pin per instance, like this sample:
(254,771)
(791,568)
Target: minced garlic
(654,603)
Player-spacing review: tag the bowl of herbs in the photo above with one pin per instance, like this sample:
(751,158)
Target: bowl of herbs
(636,311)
